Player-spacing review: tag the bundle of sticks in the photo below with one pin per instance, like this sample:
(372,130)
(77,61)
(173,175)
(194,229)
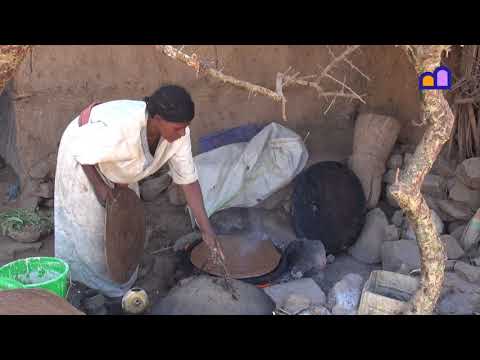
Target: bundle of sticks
(466,131)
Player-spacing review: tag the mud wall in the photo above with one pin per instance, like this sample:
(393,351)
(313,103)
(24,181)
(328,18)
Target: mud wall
(56,82)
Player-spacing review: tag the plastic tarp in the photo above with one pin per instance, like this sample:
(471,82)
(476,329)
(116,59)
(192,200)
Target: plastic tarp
(243,174)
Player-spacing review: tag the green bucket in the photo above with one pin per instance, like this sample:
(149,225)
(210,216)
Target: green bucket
(47,273)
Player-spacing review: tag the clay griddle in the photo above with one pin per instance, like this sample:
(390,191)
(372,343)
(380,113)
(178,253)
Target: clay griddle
(124,234)
(245,256)
(34,302)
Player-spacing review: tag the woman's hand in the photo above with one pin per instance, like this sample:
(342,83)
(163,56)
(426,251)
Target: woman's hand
(214,246)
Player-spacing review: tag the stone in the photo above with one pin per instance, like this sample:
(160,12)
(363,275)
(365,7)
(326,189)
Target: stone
(455,225)
(459,192)
(305,287)
(467,272)
(389,176)
(94,303)
(330,259)
(10,249)
(457,233)
(475,261)
(397,218)
(407,148)
(450,265)
(45,190)
(443,167)
(305,255)
(295,303)
(458,297)
(315,310)
(434,185)
(368,246)
(207,295)
(3,164)
(187,240)
(395,161)
(396,253)
(456,210)
(392,233)
(469,173)
(150,189)
(454,251)
(409,234)
(344,297)
(40,170)
(176,196)
(390,200)
(28,234)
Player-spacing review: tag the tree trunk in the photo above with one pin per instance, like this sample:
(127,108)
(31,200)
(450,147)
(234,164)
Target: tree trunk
(406,190)
(11,56)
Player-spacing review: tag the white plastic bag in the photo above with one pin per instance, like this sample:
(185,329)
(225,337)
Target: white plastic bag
(243,174)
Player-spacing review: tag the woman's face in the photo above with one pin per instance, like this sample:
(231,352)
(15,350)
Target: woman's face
(170,131)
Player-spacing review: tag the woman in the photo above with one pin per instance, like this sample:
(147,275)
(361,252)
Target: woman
(113,144)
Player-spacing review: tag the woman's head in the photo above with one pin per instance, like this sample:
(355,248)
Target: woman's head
(171,110)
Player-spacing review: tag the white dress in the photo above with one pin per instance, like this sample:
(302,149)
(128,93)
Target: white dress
(115,138)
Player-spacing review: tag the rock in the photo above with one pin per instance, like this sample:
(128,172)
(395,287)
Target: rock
(40,170)
(330,259)
(368,246)
(9,249)
(455,225)
(450,265)
(443,167)
(390,200)
(94,303)
(407,148)
(475,261)
(456,210)
(305,287)
(187,240)
(315,310)
(344,297)
(397,218)
(152,188)
(469,173)
(206,295)
(458,297)
(409,234)
(459,192)
(395,161)
(389,176)
(295,303)
(304,256)
(3,164)
(457,233)
(434,185)
(175,195)
(467,272)
(454,251)
(45,190)
(392,233)
(396,253)
(26,235)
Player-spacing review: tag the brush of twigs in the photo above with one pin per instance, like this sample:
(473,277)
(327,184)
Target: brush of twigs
(466,132)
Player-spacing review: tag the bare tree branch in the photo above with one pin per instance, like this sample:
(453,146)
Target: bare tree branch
(199,66)
(283,80)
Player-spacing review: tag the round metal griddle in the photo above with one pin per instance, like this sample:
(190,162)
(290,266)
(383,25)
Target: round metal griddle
(124,234)
(245,256)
